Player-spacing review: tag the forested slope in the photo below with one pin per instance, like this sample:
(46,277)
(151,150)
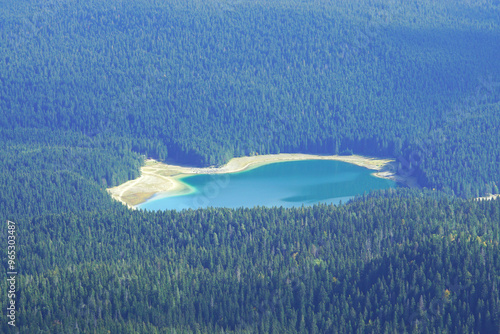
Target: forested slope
(200,82)
(394,262)
(88,89)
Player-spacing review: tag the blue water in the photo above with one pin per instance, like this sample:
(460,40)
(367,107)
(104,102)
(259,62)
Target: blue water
(286,184)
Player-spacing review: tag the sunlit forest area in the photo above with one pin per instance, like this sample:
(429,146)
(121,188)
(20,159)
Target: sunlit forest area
(88,90)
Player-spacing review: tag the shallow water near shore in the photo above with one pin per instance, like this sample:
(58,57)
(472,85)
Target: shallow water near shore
(287,184)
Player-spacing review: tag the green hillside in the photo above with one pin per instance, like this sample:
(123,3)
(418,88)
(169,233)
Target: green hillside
(89,89)
(376,265)
(201,82)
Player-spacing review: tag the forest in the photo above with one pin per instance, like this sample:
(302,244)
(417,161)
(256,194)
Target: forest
(202,82)
(89,90)
(396,261)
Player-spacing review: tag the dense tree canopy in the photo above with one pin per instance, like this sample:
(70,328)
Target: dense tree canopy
(393,261)
(201,82)
(88,89)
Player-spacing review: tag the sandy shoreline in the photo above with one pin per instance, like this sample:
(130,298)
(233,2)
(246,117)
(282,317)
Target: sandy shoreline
(163,179)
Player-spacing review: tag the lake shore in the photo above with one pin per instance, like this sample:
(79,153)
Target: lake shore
(166,180)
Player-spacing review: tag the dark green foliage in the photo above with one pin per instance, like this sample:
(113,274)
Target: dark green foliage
(379,262)
(87,89)
(204,81)
(60,171)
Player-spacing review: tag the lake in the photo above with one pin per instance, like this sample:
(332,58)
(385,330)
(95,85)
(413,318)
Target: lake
(287,184)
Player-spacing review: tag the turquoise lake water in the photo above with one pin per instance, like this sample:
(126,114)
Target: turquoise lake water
(286,184)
